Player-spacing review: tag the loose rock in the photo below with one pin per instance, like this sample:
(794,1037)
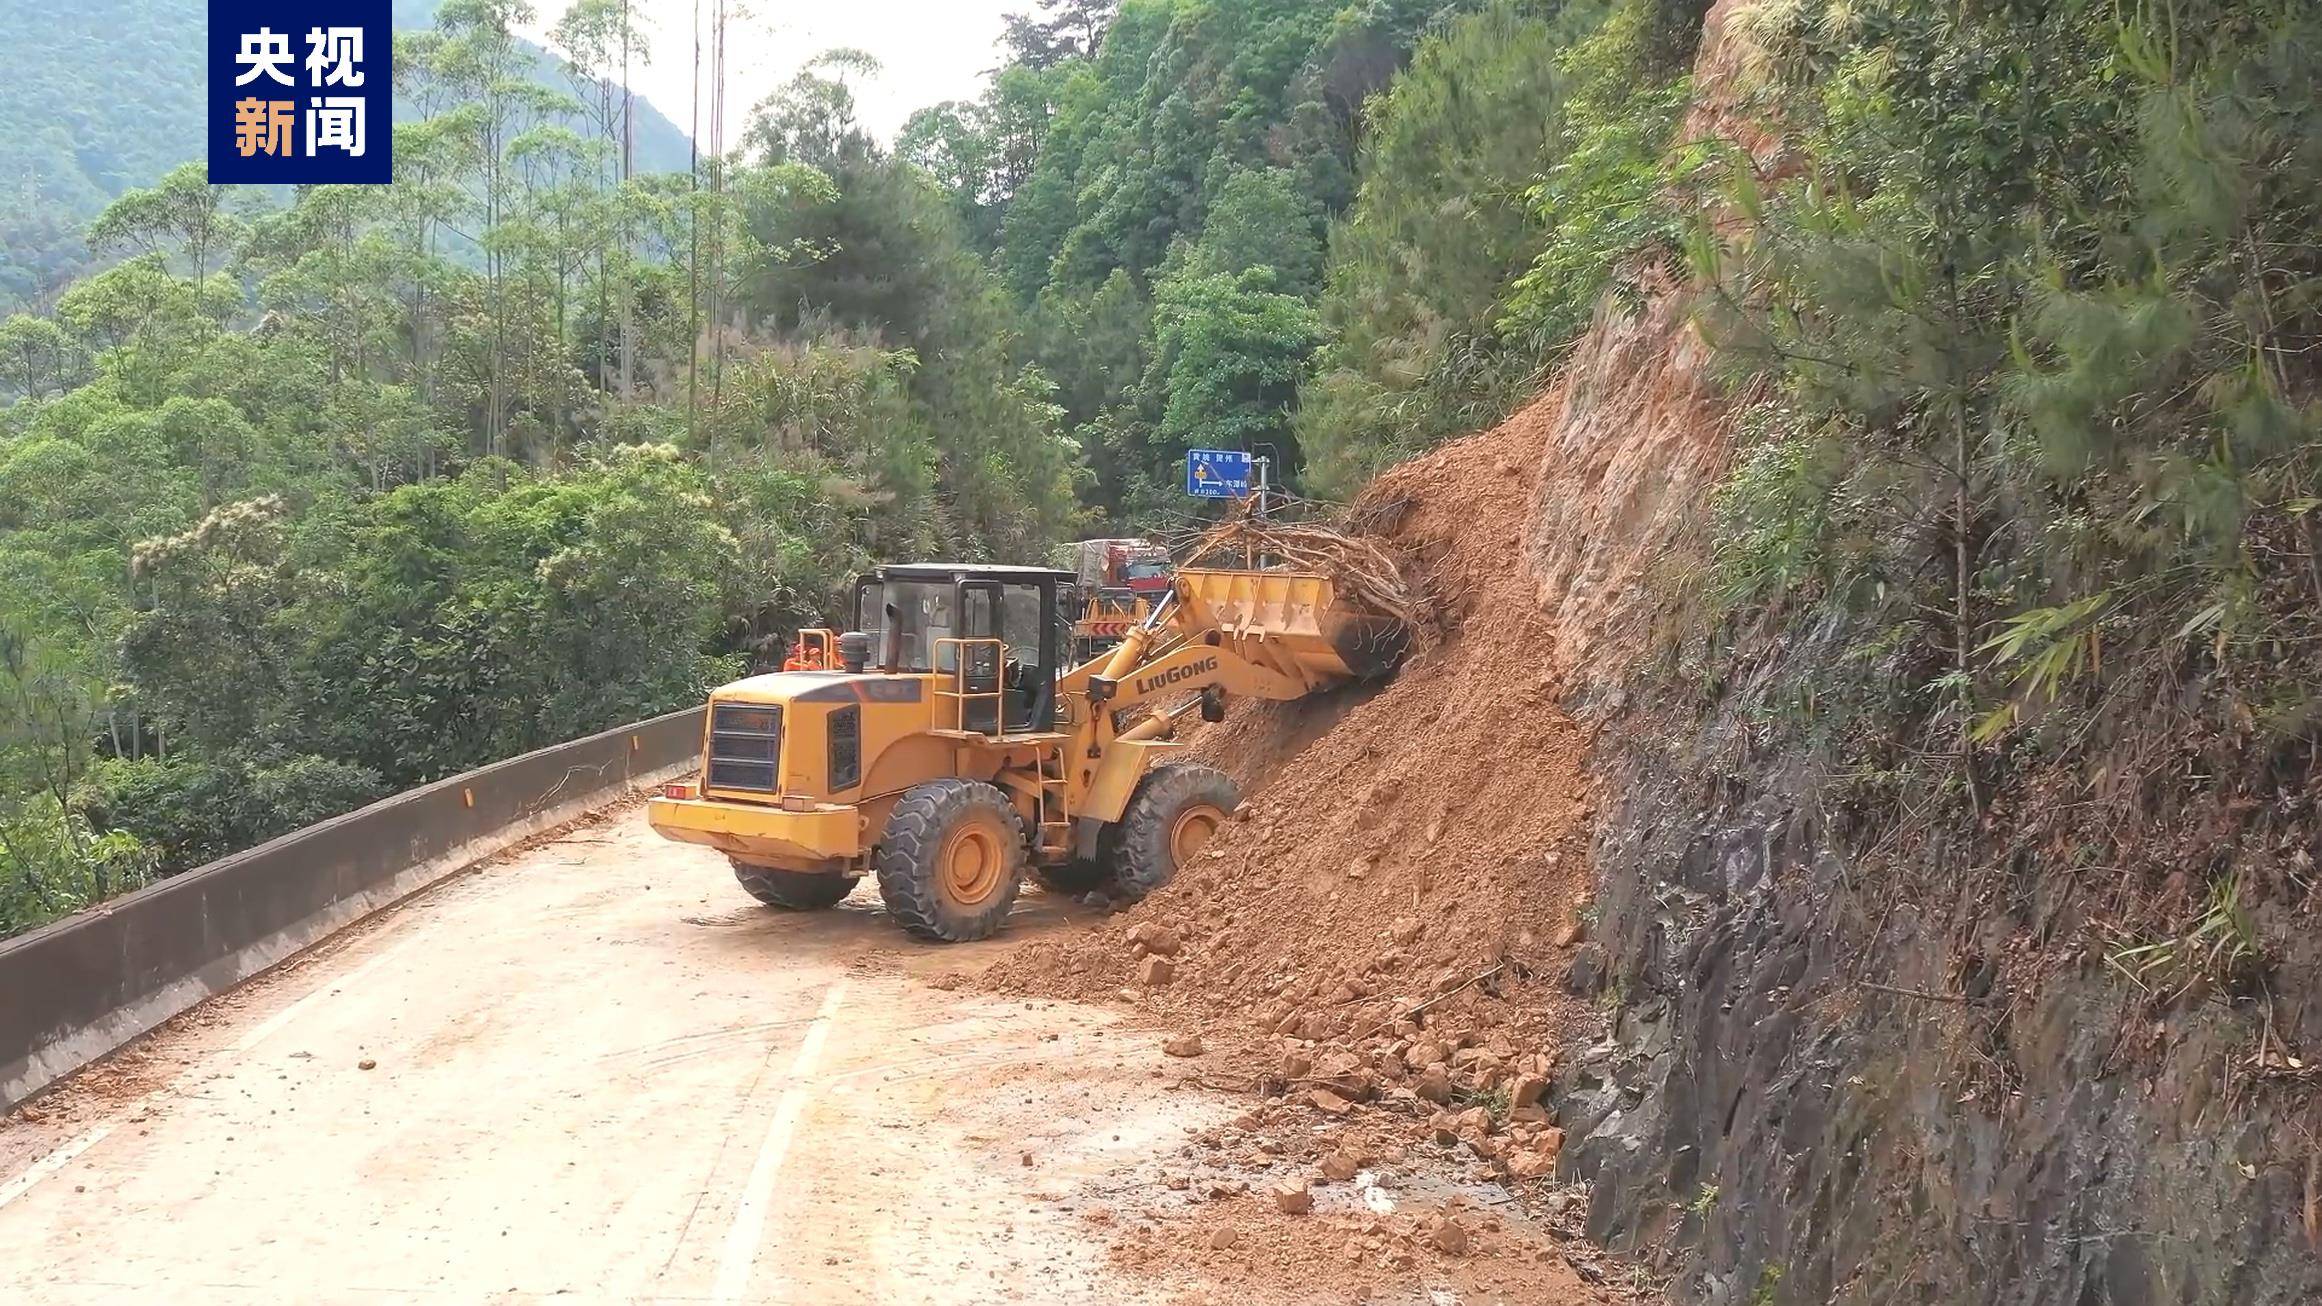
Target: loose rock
(1155,938)
(1292,1197)
(1450,1237)
(1531,1165)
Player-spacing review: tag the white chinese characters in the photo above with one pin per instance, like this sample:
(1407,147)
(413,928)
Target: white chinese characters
(335,122)
(322,114)
(263,54)
(335,56)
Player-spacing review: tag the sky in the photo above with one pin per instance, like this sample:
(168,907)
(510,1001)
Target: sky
(932,50)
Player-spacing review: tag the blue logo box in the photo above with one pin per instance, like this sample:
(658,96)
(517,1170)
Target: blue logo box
(301,94)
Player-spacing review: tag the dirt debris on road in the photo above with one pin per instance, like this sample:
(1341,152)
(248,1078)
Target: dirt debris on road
(1377,947)
(949,1148)
(1272,1207)
(1430,845)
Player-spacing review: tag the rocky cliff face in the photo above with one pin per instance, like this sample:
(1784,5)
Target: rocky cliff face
(1843,1068)
(1814,1092)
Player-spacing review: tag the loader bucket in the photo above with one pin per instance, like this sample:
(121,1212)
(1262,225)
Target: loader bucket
(1294,622)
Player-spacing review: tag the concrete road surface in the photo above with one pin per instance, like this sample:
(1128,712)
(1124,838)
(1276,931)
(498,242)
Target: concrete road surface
(596,1071)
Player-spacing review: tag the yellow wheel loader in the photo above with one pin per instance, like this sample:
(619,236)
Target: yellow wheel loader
(954,751)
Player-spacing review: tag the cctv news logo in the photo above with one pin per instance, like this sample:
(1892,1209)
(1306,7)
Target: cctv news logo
(301,93)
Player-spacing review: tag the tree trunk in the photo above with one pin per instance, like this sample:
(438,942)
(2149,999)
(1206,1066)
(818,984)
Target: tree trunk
(621,227)
(693,248)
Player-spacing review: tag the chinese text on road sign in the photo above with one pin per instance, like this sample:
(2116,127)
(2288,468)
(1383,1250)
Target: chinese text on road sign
(1217,473)
(300,92)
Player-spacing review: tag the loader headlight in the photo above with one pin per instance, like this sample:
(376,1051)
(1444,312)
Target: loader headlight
(846,748)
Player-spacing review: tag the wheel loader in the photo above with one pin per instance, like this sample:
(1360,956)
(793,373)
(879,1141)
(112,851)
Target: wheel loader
(953,751)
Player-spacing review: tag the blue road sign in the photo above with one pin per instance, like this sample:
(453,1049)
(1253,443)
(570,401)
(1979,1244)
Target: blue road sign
(1217,473)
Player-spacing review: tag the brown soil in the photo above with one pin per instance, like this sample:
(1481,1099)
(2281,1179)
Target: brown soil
(1637,438)
(1382,1218)
(1408,878)
(1257,738)
(1235,1248)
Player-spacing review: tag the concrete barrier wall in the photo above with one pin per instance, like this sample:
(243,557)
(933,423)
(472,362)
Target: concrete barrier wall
(76,989)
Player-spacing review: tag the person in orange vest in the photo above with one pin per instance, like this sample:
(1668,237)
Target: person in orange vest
(803,658)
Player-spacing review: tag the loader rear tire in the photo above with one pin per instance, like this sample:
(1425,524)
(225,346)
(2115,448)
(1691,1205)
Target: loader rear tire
(952,860)
(1173,813)
(793,890)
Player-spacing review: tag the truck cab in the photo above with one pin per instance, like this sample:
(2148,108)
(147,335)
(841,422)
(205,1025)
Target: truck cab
(1116,583)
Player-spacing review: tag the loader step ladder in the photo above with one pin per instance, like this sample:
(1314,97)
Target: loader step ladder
(967,657)
(1055,834)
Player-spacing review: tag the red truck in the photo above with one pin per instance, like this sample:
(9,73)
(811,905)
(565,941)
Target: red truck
(1119,581)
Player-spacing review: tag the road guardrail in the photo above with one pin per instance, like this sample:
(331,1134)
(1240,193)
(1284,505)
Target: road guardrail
(78,988)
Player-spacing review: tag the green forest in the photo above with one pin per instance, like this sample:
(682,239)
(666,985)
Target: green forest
(308,498)
(106,95)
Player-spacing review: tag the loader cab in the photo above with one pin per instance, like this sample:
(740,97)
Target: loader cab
(911,612)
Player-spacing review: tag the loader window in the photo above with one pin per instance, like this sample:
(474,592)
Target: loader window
(976,622)
(986,667)
(868,618)
(1031,671)
(1020,623)
(923,613)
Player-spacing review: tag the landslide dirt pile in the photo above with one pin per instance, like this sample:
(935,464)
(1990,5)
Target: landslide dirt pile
(1418,847)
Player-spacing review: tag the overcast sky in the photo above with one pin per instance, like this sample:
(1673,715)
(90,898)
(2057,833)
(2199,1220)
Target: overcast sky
(932,50)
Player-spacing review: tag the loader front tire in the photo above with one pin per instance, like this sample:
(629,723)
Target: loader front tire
(1173,813)
(792,890)
(952,860)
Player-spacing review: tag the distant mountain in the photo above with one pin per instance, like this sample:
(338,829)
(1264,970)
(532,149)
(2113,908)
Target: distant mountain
(97,96)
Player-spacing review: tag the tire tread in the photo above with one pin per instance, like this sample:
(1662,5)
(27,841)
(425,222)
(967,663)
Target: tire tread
(1136,848)
(905,863)
(792,890)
